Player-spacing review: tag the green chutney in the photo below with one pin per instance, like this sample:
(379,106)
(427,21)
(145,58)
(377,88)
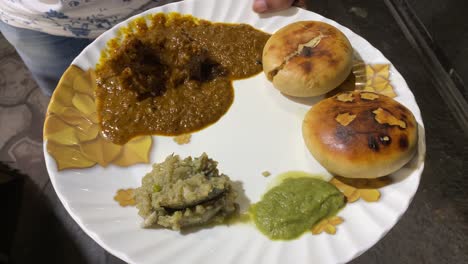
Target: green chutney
(294,206)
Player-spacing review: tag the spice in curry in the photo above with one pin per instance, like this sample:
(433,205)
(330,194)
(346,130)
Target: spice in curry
(169,74)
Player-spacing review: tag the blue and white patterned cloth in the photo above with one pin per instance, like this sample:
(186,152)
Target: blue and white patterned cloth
(71,18)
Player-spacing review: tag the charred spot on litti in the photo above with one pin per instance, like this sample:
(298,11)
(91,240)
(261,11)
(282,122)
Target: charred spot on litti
(360,134)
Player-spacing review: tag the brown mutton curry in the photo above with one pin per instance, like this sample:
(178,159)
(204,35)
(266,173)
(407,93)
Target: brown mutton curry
(173,76)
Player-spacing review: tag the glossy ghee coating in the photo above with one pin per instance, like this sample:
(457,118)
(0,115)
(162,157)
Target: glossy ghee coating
(295,206)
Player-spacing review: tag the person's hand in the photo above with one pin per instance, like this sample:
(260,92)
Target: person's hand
(262,6)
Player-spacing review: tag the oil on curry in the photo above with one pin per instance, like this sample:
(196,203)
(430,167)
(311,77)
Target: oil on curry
(171,74)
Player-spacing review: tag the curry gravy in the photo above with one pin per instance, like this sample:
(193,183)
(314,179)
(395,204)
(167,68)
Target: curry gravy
(173,76)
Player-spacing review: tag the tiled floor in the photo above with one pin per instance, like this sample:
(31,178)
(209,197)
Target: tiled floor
(44,233)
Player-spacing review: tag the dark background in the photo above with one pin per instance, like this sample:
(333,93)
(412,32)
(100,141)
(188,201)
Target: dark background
(446,22)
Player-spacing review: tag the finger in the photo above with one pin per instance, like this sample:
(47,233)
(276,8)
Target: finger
(262,6)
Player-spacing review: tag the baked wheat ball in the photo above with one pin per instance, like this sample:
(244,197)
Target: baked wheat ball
(360,134)
(307,58)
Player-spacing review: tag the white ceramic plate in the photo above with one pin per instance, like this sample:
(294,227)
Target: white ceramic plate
(261,131)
